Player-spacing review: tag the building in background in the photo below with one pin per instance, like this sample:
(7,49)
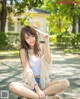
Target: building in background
(39,17)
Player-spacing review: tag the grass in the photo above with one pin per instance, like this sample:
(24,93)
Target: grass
(9,53)
(15,53)
(73,51)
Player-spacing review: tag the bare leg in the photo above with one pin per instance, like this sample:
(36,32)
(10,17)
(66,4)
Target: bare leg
(21,90)
(56,87)
(52,88)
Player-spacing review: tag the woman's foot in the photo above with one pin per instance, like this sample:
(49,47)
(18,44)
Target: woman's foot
(57,97)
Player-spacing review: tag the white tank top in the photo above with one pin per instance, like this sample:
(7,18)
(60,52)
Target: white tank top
(35,64)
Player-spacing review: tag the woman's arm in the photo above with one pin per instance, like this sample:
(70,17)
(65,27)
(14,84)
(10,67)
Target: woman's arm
(47,54)
(28,75)
(23,57)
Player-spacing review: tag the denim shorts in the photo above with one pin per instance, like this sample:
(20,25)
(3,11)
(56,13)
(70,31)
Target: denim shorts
(38,81)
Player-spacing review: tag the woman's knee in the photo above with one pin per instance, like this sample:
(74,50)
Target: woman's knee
(12,86)
(65,83)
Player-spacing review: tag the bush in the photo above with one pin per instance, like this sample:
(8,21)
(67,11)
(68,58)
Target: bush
(68,40)
(3,40)
(52,39)
(13,39)
(9,40)
(62,40)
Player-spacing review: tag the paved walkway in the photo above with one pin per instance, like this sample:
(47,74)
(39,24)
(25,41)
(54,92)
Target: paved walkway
(64,66)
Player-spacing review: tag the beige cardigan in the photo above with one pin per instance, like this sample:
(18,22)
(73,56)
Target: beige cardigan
(45,71)
(29,79)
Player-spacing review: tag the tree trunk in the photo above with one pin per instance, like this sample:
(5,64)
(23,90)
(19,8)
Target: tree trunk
(74,24)
(73,18)
(79,25)
(59,25)
(3,16)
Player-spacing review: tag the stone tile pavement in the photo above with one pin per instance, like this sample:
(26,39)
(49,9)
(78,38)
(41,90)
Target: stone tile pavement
(65,66)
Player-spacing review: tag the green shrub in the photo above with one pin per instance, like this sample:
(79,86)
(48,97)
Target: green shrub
(67,40)
(13,39)
(3,40)
(9,40)
(61,40)
(53,39)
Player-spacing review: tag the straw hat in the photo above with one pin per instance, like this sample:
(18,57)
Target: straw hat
(36,23)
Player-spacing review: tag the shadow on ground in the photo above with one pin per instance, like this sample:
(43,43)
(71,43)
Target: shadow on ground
(65,66)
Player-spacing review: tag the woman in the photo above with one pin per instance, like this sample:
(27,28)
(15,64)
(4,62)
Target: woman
(36,62)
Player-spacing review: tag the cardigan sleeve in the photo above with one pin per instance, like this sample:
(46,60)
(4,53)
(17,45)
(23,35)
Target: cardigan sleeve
(45,62)
(28,77)
(45,71)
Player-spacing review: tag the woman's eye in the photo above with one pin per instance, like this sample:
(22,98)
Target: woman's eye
(32,35)
(27,37)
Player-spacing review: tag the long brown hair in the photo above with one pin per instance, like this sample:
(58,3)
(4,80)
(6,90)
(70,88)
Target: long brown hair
(29,31)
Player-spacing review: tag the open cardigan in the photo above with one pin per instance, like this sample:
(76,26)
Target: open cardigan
(28,76)
(45,71)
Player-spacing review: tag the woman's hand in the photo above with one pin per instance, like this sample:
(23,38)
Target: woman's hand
(46,37)
(41,94)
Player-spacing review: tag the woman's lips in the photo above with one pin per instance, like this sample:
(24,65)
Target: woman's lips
(31,42)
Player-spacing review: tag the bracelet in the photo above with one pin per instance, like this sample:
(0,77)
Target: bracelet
(35,85)
(39,96)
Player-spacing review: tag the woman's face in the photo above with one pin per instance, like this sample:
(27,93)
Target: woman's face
(30,39)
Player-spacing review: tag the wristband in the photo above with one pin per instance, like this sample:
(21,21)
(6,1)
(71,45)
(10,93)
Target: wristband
(35,85)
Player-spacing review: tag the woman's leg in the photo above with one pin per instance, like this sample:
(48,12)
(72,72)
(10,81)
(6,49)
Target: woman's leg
(52,88)
(56,87)
(22,91)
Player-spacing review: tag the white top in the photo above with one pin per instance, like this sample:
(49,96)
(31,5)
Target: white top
(44,72)
(35,64)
